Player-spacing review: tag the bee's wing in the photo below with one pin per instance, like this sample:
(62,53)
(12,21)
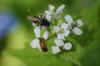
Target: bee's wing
(34,19)
(29,17)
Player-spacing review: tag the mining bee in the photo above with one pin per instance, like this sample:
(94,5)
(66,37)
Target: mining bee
(39,20)
(73,25)
(43,45)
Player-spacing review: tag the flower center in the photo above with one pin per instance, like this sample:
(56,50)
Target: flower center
(61,30)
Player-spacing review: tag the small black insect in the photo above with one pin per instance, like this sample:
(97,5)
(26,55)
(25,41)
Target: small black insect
(40,20)
(73,25)
(43,45)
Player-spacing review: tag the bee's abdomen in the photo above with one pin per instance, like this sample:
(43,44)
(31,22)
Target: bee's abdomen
(44,49)
(45,22)
(43,45)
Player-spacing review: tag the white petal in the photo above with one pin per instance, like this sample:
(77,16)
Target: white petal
(56,29)
(79,23)
(34,43)
(45,36)
(51,7)
(48,18)
(37,32)
(48,13)
(33,24)
(66,33)
(60,36)
(38,46)
(60,9)
(64,25)
(67,46)
(77,31)
(55,50)
(59,43)
(69,19)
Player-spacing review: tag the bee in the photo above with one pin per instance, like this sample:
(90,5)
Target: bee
(73,25)
(43,45)
(39,20)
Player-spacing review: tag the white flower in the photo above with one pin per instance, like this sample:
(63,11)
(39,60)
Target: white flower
(50,11)
(37,32)
(45,36)
(55,50)
(62,31)
(60,9)
(35,43)
(60,36)
(48,18)
(64,25)
(51,7)
(66,29)
(33,24)
(66,33)
(79,22)
(56,29)
(69,19)
(59,43)
(67,46)
(77,31)
(47,13)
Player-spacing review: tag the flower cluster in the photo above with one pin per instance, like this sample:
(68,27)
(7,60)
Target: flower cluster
(62,29)
(35,43)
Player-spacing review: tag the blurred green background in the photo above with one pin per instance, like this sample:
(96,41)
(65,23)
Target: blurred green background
(15,47)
